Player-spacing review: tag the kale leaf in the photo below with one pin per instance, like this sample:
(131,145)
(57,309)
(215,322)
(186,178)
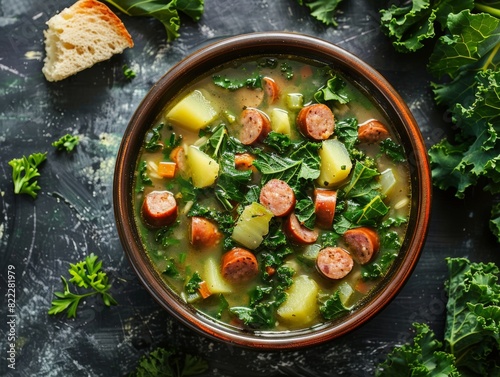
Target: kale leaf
(167,12)
(66,143)
(424,357)
(163,362)
(471,339)
(410,25)
(322,10)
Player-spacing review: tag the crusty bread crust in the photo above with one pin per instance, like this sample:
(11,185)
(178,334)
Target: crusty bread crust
(80,36)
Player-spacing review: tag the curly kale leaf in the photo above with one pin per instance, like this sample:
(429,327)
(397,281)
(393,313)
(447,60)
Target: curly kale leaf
(425,357)
(167,12)
(322,10)
(410,25)
(476,152)
(66,143)
(472,332)
(163,362)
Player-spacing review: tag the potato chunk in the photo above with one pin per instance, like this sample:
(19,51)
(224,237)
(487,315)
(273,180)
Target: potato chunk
(280,122)
(193,112)
(335,163)
(252,225)
(301,306)
(204,169)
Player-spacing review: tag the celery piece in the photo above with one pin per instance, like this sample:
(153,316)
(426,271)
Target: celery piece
(204,169)
(214,279)
(294,101)
(387,181)
(280,122)
(193,112)
(335,163)
(252,225)
(345,293)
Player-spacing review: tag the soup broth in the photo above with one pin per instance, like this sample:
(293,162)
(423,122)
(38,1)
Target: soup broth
(272,194)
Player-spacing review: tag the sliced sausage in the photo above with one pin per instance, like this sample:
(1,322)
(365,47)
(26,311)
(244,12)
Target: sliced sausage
(372,131)
(334,262)
(325,202)
(255,126)
(297,232)
(159,208)
(244,161)
(363,243)
(271,89)
(203,232)
(239,265)
(316,121)
(178,155)
(278,197)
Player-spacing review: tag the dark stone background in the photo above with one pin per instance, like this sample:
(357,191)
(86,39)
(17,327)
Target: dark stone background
(73,213)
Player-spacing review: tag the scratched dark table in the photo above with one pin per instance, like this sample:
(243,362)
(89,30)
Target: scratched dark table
(73,213)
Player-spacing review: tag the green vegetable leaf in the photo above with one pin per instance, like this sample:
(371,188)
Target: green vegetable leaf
(24,170)
(410,25)
(85,274)
(152,141)
(473,315)
(163,362)
(323,10)
(67,142)
(393,150)
(470,38)
(333,307)
(193,284)
(334,90)
(363,185)
(252,82)
(424,357)
(346,131)
(304,210)
(128,72)
(477,152)
(167,12)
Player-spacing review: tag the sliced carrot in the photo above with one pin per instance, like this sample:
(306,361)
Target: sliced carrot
(362,287)
(305,71)
(166,169)
(203,289)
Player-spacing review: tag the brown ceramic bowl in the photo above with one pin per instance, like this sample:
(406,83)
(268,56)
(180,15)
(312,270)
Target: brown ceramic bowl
(355,70)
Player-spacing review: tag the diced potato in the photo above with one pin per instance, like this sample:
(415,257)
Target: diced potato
(252,225)
(301,306)
(214,279)
(280,122)
(193,112)
(335,163)
(204,169)
(387,181)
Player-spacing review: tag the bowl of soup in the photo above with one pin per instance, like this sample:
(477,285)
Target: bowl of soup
(272,191)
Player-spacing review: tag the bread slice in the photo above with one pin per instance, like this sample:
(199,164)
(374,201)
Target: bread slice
(86,33)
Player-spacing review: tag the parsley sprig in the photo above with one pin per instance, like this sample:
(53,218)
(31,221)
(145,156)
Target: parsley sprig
(66,143)
(85,274)
(24,171)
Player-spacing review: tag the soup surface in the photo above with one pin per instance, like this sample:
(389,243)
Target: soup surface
(271,194)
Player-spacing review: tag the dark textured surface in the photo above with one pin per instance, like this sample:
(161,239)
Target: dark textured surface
(73,216)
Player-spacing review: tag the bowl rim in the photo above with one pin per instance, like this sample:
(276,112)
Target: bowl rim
(215,54)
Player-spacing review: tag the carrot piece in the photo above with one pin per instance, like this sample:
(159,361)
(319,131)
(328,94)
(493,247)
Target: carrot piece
(362,287)
(166,169)
(306,71)
(203,289)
